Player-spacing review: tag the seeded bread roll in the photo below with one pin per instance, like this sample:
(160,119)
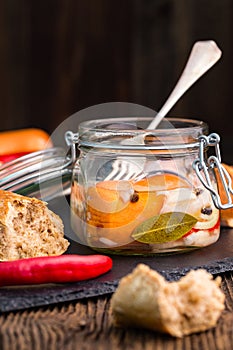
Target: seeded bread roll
(145,299)
(28,228)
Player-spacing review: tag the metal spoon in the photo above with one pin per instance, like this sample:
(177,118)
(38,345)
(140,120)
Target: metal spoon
(203,56)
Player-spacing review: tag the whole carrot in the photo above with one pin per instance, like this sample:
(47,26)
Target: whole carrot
(23,141)
(53,269)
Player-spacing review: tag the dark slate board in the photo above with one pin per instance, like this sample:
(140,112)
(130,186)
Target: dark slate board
(216,259)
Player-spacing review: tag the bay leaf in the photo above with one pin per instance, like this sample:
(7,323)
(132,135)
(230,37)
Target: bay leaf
(164,228)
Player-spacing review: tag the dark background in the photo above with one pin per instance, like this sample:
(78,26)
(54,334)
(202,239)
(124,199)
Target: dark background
(60,56)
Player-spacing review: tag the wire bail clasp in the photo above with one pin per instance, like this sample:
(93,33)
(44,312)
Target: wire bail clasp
(72,139)
(202,166)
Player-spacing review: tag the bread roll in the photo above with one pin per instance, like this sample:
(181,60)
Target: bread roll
(145,299)
(28,228)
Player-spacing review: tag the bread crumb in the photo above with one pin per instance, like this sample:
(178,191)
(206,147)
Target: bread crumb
(145,299)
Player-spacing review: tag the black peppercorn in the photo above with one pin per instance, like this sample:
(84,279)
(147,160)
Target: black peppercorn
(134,198)
(198,191)
(206,210)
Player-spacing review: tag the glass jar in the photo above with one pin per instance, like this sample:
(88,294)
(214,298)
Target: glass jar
(143,192)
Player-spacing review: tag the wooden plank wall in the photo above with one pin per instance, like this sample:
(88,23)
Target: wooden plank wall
(58,56)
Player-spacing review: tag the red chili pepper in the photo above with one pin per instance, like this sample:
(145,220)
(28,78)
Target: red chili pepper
(198,229)
(8,157)
(53,269)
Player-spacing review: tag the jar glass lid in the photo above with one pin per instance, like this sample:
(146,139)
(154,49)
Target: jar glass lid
(44,174)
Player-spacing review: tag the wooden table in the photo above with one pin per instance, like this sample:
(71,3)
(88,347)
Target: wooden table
(87,324)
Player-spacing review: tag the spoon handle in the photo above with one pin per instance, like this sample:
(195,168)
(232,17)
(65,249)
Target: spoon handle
(203,56)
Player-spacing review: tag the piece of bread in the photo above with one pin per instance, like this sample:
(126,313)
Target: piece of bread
(28,228)
(145,299)
(226,214)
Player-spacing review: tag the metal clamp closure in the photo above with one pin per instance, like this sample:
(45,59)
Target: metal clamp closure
(202,166)
(71,141)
